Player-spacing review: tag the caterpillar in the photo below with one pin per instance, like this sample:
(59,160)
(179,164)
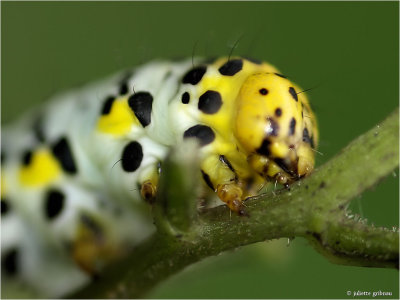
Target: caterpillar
(78,172)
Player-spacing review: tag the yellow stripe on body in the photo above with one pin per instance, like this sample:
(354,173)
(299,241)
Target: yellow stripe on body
(120,119)
(42,170)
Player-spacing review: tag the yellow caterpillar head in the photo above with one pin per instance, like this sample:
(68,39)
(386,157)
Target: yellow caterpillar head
(276,127)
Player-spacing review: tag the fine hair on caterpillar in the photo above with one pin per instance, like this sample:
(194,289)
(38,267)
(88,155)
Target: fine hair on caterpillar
(234,46)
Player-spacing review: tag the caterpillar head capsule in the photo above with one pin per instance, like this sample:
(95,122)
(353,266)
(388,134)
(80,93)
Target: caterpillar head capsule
(276,127)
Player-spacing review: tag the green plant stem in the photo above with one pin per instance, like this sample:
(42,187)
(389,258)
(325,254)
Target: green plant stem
(175,210)
(352,242)
(313,208)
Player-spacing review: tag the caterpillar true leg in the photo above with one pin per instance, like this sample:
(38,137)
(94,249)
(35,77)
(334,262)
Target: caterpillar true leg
(148,181)
(231,194)
(220,175)
(148,191)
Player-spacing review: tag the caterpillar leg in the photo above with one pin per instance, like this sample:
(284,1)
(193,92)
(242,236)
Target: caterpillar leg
(148,182)
(220,175)
(231,194)
(148,190)
(92,246)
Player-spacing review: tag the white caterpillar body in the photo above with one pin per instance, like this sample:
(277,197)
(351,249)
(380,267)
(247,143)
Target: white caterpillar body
(76,172)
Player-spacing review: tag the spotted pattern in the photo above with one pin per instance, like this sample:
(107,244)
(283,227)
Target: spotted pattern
(307,139)
(306,136)
(107,105)
(231,67)
(292,126)
(54,203)
(194,76)
(62,151)
(210,102)
(132,157)
(292,92)
(185,98)
(9,262)
(5,207)
(123,89)
(142,103)
(27,158)
(264,148)
(126,127)
(203,133)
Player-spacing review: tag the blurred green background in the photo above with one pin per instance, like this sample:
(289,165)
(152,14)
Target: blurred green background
(348,51)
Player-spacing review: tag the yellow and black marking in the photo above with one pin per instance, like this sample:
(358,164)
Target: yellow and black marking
(254,126)
(42,166)
(252,117)
(5,205)
(119,114)
(248,114)
(39,168)
(116,118)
